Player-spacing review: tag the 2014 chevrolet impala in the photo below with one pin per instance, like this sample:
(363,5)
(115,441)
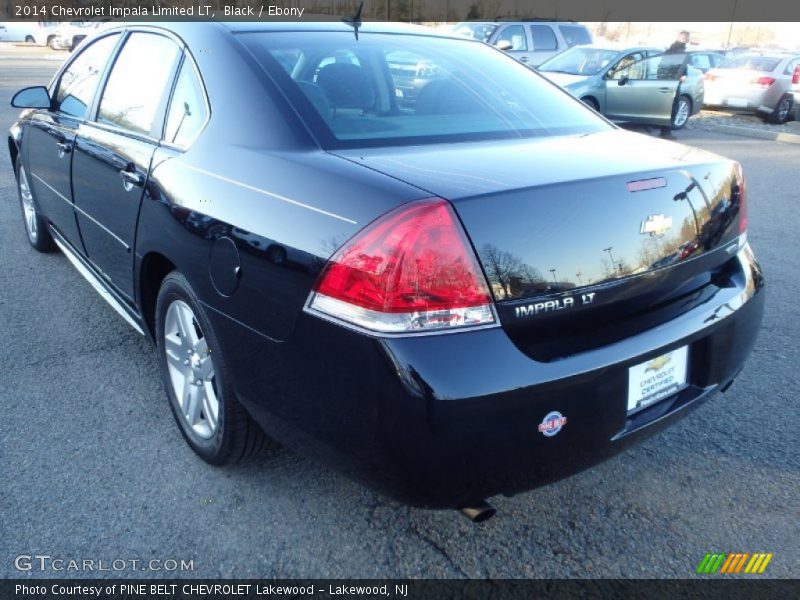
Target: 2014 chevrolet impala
(471,291)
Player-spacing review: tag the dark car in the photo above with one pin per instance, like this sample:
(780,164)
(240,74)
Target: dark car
(446,302)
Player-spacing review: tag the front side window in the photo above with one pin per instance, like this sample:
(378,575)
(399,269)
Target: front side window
(514,35)
(701,61)
(543,37)
(79,82)
(187,110)
(438,90)
(138,84)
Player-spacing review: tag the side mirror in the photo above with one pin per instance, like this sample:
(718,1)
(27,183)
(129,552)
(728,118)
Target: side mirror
(622,80)
(31,97)
(504,45)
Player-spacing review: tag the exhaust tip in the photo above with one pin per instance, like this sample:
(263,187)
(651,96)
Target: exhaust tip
(479,512)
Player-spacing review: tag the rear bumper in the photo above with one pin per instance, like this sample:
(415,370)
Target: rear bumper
(745,99)
(442,421)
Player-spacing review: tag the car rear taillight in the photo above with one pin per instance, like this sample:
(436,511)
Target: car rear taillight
(764,82)
(796,75)
(411,270)
(740,197)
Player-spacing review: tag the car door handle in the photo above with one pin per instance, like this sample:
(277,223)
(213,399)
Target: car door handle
(665,90)
(131,179)
(523,59)
(63,148)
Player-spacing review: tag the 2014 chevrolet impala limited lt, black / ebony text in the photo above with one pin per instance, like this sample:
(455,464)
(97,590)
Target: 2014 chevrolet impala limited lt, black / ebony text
(403,254)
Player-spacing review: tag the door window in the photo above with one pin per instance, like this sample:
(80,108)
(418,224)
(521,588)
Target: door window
(514,35)
(78,84)
(543,38)
(187,110)
(135,94)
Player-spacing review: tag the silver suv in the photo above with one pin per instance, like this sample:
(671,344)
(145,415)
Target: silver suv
(532,41)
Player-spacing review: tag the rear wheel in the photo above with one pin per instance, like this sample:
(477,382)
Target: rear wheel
(782,110)
(591,103)
(35,225)
(212,421)
(681,112)
(30,39)
(51,42)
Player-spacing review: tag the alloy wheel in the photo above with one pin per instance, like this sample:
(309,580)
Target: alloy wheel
(191,370)
(28,207)
(682,113)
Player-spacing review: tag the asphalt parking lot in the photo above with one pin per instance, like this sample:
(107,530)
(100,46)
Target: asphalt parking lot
(93,467)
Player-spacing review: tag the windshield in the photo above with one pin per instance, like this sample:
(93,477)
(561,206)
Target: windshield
(478,31)
(580,61)
(386,89)
(751,63)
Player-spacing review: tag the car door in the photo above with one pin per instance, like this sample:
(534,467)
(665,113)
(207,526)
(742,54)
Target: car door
(545,44)
(113,152)
(50,134)
(516,36)
(644,92)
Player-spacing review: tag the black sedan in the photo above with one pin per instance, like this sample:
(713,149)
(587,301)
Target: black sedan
(474,293)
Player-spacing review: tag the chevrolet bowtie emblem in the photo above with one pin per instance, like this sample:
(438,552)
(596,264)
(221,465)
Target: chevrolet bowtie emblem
(656,225)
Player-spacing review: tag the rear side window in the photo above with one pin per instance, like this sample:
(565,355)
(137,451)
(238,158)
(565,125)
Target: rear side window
(514,35)
(575,35)
(136,90)
(544,38)
(79,82)
(187,110)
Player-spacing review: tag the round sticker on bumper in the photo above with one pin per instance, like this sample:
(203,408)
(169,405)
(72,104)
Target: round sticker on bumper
(552,423)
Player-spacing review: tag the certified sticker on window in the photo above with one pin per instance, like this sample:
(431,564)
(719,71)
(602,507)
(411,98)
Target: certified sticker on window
(657,378)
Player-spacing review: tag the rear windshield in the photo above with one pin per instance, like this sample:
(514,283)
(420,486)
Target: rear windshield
(751,63)
(579,61)
(388,89)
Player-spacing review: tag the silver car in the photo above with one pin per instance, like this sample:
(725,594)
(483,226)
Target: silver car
(758,83)
(630,84)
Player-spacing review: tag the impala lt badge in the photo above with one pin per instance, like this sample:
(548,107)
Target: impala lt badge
(656,225)
(546,306)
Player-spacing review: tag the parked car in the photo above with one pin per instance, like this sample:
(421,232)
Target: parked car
(32,32)
(756,83)
(529,41)
(631,84)
(71,33)
(388,290)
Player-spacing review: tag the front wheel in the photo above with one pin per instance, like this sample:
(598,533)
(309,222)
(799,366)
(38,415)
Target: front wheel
(197,382)
(35,225)
(681,112)
(782,111)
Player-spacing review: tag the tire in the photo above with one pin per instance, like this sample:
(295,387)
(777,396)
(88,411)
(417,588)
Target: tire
(30,39)
(183,330)
(51,42)
(35,224)
(681,112)
(782,112)
(591,103)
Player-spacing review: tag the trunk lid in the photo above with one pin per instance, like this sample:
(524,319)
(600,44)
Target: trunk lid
(572,231)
